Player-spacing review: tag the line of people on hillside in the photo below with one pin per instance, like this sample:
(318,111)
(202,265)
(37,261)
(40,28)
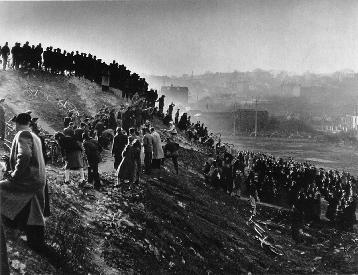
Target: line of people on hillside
(195,132)
(77,64)
(24,192)
(24,199)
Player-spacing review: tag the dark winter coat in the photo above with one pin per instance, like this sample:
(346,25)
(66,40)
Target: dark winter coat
(92,151)
(72,153)
(126,169)
(119,143)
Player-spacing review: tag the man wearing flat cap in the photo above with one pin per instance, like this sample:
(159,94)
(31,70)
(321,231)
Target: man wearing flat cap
(22,192)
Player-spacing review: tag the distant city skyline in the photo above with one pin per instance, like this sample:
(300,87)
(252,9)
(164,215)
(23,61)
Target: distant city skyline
(178,37)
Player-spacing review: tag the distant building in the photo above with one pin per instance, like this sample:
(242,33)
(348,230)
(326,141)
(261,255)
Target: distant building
(176,94)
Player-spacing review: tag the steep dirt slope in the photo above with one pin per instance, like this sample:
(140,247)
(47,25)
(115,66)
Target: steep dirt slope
(177,224)
(39,92)
(166,223)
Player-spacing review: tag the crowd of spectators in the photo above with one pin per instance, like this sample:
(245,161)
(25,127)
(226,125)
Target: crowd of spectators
(128,129)
(57,61)
(299,185)
(262,177)
(24,191)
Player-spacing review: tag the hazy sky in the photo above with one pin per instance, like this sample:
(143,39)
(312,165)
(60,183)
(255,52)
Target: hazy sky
(176,37)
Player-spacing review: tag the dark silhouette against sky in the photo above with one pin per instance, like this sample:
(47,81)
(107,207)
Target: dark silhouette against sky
(176,37)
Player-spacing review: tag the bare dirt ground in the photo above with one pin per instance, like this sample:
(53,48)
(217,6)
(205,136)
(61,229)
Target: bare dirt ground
(85,95)
(166,223)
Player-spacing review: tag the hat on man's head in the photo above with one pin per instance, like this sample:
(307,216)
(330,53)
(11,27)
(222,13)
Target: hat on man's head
(22,118)
(28,112)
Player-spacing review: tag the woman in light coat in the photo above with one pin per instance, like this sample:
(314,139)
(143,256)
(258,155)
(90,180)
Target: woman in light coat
(158,153)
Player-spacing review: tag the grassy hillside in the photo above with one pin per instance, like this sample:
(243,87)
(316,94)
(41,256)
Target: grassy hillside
(166,223)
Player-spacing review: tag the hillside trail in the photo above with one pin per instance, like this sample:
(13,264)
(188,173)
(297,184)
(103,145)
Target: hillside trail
(12,91)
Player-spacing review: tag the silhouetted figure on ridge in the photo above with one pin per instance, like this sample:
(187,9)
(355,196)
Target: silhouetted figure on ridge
(5,51)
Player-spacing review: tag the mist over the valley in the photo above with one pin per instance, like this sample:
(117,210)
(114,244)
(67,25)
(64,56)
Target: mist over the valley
(320,100)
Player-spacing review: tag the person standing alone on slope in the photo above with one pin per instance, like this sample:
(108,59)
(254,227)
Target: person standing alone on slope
(5,51)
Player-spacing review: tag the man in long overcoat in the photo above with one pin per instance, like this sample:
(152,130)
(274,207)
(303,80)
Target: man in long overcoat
(22,193)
